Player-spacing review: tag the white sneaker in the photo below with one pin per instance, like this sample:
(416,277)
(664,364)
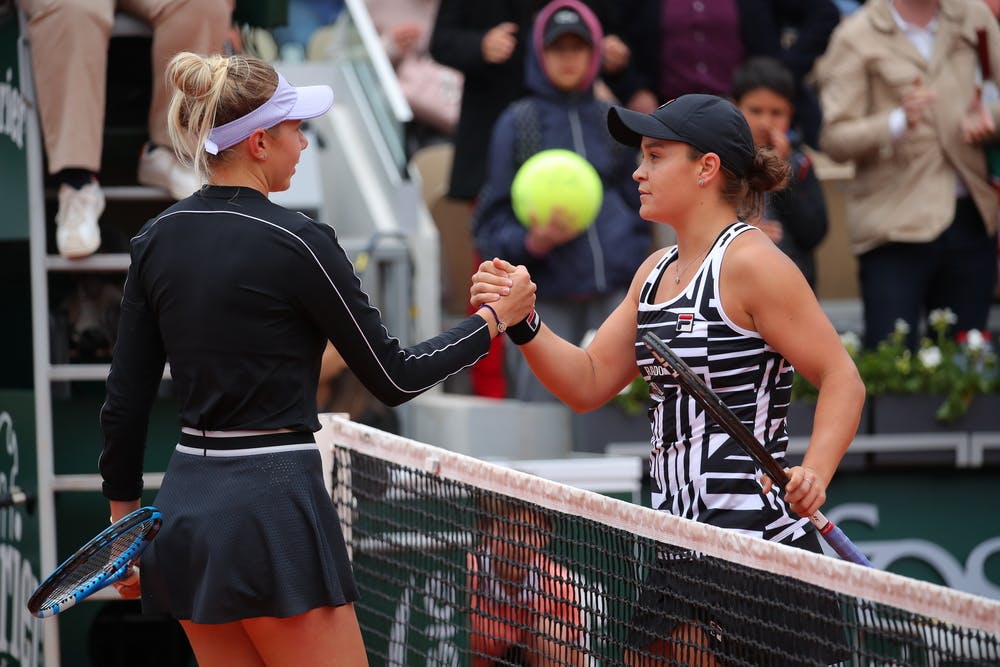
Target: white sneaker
(77,233)
(159,168)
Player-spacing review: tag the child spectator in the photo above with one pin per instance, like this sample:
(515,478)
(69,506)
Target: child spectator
(794,217)
(581,276)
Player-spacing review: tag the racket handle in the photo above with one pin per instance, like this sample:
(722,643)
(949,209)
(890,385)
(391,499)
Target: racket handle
(836,538)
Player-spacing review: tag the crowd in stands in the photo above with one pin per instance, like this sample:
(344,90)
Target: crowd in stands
(893,86)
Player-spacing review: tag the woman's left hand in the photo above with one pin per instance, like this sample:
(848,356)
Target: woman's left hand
(491,282)
(805,492)
(977,124)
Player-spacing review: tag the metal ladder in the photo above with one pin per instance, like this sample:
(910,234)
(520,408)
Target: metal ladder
(45,373)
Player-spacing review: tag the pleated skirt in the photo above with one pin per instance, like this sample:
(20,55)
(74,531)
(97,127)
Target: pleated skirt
(247,533)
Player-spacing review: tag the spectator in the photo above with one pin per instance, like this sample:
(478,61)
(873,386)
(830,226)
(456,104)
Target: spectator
(900,97)
(524,607)
(69,48)
(694,47)
(482,40)
(433,90)
(794,217)
(304,18)
(581,276)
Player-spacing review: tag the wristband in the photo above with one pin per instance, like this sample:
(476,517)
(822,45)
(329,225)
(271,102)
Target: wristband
(526,329)
(501,327)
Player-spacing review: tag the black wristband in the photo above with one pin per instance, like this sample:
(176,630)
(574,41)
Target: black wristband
(526,329)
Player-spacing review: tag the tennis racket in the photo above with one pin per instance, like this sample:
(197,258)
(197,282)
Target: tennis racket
(691,383)
(100,562)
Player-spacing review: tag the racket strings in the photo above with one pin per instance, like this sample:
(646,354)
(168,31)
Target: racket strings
(103,559)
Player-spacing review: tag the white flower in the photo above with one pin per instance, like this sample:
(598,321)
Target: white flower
(942,317)
(851,342)
(974,339)
(930,357)
(902,327)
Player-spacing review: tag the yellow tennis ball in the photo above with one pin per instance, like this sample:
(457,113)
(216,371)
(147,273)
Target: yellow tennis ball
(557,178)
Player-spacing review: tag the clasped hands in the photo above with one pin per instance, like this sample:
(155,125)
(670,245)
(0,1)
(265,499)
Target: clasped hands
(508,289)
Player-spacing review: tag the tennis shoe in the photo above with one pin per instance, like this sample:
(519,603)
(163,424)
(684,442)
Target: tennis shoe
(159,168)
(77,232)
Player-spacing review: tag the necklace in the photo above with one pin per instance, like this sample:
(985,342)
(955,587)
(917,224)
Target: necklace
(678,271)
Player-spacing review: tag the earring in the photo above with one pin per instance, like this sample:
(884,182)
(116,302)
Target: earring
(701,182)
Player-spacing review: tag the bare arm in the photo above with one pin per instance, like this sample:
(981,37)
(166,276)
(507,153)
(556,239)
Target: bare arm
(764,291)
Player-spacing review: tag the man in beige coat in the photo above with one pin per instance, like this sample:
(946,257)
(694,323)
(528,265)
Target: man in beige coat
(899,85)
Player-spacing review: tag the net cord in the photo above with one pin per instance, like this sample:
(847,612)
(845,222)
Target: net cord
(944,604)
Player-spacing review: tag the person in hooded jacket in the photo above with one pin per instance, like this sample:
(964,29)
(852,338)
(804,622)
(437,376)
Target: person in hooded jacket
(581,275)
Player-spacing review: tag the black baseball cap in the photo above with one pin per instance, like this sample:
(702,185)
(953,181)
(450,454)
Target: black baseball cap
(566,21)
(710,123)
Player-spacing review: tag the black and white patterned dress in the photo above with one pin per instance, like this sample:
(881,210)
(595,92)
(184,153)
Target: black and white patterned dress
(698,471)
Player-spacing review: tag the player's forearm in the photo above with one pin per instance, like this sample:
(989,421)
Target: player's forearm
(120,508)
(838,410)
(565,370)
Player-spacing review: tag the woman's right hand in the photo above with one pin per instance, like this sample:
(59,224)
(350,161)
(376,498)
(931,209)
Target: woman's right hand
(499,42)
(128,586)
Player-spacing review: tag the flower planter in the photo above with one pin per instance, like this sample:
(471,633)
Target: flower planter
(594,431)
(899,413)
(802,413)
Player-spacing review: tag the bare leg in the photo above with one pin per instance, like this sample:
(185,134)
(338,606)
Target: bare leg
(322,637)
(222,645)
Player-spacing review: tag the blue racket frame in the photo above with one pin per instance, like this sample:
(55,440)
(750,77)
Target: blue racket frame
(46,601)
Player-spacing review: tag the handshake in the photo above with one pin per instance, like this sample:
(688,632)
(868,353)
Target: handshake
(508,293)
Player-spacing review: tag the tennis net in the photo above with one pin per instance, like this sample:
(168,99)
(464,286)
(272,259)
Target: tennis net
(463,562)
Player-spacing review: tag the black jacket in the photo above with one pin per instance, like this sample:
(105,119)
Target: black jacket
(240,295)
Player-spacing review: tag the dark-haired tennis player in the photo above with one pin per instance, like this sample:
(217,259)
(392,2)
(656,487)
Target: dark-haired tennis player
(742,315)
(240,296)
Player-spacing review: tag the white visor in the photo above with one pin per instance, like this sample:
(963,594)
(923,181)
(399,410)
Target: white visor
(288,103)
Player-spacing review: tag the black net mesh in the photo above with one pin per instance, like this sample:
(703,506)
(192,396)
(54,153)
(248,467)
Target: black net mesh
(454,574)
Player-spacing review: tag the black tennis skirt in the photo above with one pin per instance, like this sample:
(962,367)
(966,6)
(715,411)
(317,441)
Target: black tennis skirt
(248,530)
(749,618)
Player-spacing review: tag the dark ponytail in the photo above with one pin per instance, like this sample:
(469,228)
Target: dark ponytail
(768,172)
